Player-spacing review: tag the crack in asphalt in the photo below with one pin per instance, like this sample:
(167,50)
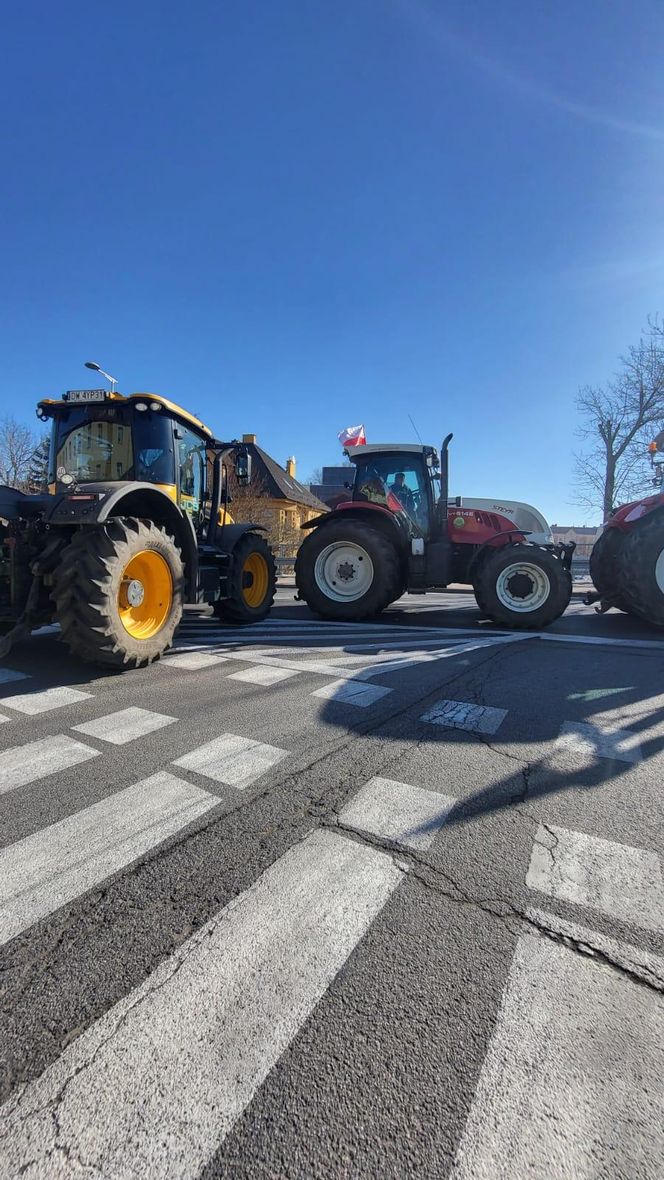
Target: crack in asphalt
(499,908)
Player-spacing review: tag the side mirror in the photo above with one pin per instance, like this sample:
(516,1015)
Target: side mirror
(243,467)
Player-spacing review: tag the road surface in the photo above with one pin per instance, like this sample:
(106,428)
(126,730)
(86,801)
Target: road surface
(313,900)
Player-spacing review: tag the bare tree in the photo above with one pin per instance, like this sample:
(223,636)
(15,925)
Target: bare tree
(17,446)
(619,419)
(315,476)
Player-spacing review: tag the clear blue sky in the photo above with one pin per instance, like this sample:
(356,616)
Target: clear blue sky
(297,215)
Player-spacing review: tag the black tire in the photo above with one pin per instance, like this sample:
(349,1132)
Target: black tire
(384,584)
(606,568)
(250,594)
(538,577)
(90,593)
(642,580)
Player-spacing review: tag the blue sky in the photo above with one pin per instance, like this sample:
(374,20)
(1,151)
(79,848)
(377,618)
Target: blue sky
(296,215)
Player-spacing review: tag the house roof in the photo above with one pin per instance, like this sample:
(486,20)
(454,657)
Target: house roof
(278,484)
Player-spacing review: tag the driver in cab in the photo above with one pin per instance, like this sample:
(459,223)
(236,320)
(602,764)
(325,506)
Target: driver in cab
(403,493)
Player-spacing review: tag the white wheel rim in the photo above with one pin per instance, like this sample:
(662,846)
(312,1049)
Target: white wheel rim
(343,571)
(512,587)
(659,572)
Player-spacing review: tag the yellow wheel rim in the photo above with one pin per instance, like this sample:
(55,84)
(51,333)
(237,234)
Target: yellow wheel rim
(146,594)
(255,580)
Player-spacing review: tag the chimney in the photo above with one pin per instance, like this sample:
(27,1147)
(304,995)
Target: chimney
(248,438)
(290,467)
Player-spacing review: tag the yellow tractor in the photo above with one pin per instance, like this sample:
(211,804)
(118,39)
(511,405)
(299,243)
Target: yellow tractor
(135,524)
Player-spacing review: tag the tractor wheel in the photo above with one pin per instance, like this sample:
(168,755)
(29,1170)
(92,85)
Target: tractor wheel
(643,568)
(118,592)
(348,571)
(606,568)
(252,582)
(522,586)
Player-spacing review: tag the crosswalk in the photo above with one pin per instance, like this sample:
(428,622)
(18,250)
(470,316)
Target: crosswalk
(171,1066)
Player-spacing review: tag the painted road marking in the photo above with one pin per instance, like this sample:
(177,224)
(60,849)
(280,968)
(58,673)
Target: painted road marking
(263,676)
(47,870)
(463,715)
(191,661)
(396,811)
(42,702)
(125,726)
(633,958)
(599,741)
(9,675)
(21,765)
(155,1085)
(572,1084)
(351,692)
(623,882)
(232,760)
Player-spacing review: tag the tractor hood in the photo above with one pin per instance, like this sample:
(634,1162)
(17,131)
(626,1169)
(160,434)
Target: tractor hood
(524,517)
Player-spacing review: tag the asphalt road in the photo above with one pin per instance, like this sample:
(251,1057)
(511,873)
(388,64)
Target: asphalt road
(311,900)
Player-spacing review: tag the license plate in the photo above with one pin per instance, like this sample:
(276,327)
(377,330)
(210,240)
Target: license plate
(85,395)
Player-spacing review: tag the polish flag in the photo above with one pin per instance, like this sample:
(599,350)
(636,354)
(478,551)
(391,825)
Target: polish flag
(353,436)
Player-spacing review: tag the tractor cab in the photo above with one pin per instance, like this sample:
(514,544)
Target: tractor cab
(403,479)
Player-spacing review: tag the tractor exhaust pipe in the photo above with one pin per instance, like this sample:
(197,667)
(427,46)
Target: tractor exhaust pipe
(444,483)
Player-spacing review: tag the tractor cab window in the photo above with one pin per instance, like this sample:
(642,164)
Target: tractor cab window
(399,483)
(93,447)
(192,463)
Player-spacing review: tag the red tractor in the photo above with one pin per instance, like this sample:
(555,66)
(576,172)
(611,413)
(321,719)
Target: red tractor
(398,532)
(627,561)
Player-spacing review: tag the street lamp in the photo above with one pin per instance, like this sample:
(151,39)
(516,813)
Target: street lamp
(97,369)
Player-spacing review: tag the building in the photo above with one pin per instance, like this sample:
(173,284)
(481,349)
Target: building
(333,488)
(275,499)
(584,536)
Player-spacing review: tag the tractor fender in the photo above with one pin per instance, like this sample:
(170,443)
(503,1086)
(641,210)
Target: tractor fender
(142,500)
(625,517)
(229,535)
(374,514)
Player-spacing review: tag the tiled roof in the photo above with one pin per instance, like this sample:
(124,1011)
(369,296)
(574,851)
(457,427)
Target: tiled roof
(278,484)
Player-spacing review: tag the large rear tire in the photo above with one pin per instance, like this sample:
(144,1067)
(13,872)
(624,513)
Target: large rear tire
(606,564)
(118,592)
(523,587)
(348,571)
(252,582)
(643,568)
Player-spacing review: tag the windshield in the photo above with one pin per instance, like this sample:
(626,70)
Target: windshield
(112,443)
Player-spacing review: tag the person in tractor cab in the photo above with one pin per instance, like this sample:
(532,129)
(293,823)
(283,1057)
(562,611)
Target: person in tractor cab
(403,493)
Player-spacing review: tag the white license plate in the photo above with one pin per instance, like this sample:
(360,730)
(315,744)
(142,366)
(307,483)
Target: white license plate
(85,395)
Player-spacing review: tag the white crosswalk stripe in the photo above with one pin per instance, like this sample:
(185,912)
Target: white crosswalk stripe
(599,741)
(625,883)
(398,812)
(232,760)
(572,1084)
(264,676)
(157,1083)
(10,675)
(57,864)
(351,692)
(124,726)
(21,765)
(42,702)
(191,661)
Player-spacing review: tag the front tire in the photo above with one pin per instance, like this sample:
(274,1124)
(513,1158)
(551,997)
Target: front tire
(252,582)
(348,571)
(118,592)
(522,587)
(643,568)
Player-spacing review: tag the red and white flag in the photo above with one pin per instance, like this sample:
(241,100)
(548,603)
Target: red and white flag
(353,436)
